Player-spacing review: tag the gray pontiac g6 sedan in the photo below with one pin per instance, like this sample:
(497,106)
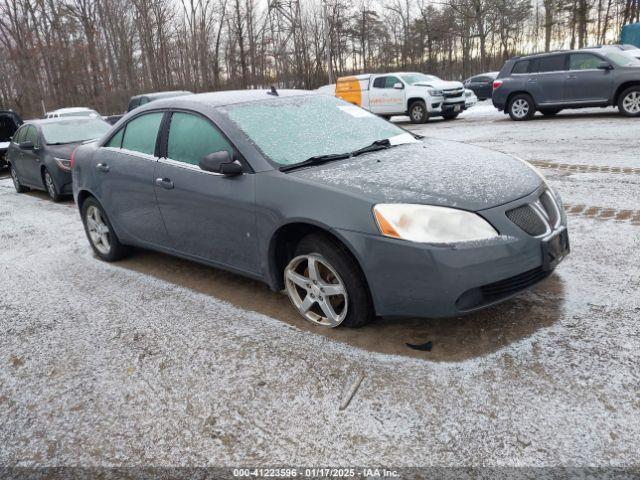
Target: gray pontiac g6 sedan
(352,216)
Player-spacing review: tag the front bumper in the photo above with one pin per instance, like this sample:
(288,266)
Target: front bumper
(417,280)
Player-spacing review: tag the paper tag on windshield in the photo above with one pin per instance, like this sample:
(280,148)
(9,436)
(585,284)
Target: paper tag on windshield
(354,111)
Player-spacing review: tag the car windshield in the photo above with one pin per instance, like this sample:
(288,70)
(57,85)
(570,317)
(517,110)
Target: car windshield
(73,131)
(291,130)
(413,78)
(622,60)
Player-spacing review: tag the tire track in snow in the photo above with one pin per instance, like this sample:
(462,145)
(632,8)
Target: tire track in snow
(581,168)
(604,213)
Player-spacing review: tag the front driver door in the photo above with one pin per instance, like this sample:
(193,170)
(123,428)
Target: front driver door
(31,172)
(209,216)
(585,81)
(125,169)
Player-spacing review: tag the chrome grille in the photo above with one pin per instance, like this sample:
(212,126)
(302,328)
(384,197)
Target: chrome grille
(453,93)
(537,218)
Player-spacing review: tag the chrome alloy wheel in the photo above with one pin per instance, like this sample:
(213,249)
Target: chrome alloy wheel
(51,188)
(98,230)
(520,108)
(417,112)
(316,290)
(631,102)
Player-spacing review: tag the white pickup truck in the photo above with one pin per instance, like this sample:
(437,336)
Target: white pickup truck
(403,93)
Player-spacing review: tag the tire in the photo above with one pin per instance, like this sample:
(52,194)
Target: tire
(418,112)
(16,181)
(549,113)
(521,107)
(629,102)
(335,268)
(50,186)
(450,116)
(108,249)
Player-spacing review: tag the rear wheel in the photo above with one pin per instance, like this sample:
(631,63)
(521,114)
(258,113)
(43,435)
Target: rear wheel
(550,112)
(100,233)
(418,112)
(325,284)
(16,181)
(521,107)
(629,102)
(50,185)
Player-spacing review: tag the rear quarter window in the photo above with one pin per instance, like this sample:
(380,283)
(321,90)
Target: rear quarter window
(521,67)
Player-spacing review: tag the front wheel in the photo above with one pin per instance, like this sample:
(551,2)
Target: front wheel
(521,107)
(325,284)
(100,233)
(50,185)
(629,102)
(16,181)
(418,112)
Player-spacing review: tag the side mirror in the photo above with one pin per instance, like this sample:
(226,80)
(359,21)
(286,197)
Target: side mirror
(28,145)
(398,86)
(605,66)
(220,162)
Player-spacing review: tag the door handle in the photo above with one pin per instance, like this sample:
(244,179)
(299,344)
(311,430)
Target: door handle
(165,183)
(102,167)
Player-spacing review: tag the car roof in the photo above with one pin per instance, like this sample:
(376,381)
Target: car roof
(72,110)
(45,121)
(172,93)
(229,97)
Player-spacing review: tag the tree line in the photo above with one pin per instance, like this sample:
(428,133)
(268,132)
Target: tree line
(97,53)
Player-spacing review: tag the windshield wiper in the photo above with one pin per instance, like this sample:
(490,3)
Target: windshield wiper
(320,159)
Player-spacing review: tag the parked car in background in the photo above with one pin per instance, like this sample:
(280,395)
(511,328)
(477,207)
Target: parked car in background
(10,121)
(403,93)
(144,98)
(470,99)
(72,112)
(40,152)
(554,81)
(482,85)
(349,214)
(630,51)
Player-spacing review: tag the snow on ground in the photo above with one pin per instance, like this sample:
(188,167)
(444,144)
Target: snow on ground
(123,364)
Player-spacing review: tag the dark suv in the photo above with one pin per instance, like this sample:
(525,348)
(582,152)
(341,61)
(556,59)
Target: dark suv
(553,81)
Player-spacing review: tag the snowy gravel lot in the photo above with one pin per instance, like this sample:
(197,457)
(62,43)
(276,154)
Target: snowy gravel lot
(158,361)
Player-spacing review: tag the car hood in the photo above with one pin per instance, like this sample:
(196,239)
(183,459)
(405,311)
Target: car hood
(431,172)
(441,84)
(62,151)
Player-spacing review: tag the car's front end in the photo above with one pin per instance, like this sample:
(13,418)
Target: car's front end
(470,98)
(414,279)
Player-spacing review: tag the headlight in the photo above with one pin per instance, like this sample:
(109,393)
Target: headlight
(63,163)
(435,93)
(429,224)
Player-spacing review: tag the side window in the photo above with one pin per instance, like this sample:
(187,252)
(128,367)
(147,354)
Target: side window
(32,135)
(521,67)
(553,63)
(20,134)
(191,137)
(583,61)
(141,133)
(379,82)
(391,81)
(116,140)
